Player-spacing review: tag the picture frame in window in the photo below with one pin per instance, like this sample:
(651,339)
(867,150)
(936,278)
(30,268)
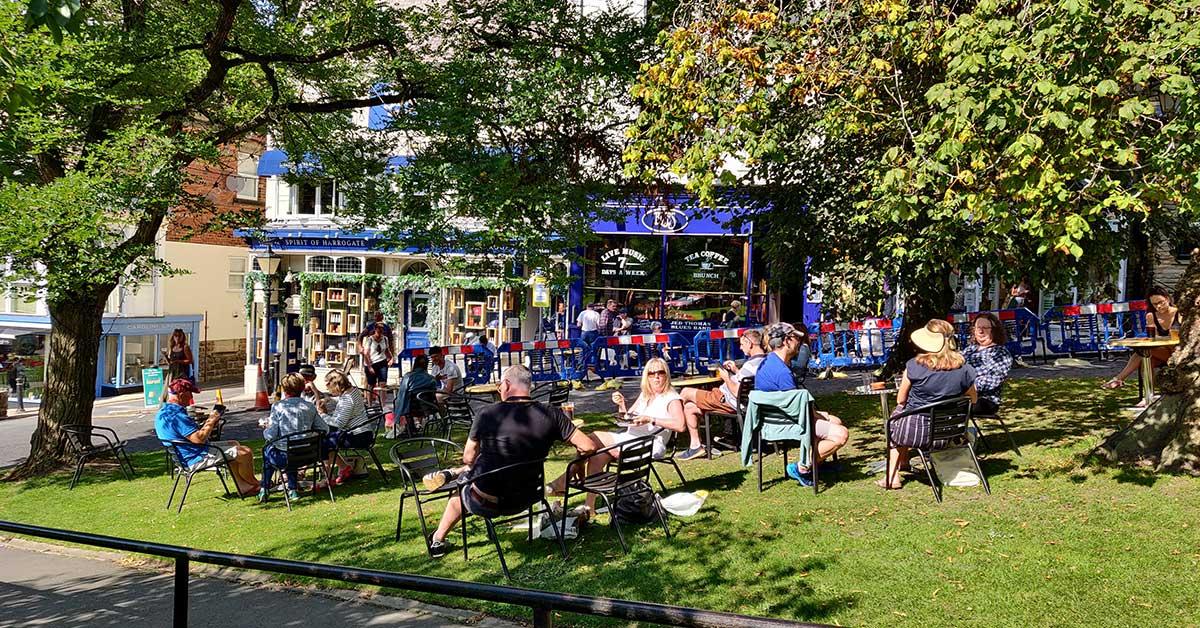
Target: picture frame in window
(318,341)
(314,324)
(333,356)
(352,323)
(508,300)
(351,347)
(493,303)
(337,295)
(318,299)
(457,298)
(474,315)
(352,299)
(335,322)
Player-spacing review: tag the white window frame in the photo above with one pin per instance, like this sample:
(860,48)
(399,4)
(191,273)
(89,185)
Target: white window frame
(321,205)
(247,175)
(240,274)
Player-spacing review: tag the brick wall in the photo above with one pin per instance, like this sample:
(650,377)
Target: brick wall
(222,360)
(196,223)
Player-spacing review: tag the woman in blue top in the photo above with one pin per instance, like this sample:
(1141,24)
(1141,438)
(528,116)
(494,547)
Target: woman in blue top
(939,372)
(290,415)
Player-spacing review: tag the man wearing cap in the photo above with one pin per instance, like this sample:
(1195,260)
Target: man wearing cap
(775,374)
(172,423)
(309,373)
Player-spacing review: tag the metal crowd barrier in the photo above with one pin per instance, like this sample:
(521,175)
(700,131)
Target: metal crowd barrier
(1091,328)
(858,343)
(1022,325)
(548,360)
(624,356)
(542,604)
(711,348)
(476,363)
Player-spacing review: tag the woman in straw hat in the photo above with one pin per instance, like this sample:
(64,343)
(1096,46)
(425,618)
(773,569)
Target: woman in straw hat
(939,372)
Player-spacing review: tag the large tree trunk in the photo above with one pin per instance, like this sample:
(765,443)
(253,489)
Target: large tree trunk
(1167,435)
(924,298)
(70,379)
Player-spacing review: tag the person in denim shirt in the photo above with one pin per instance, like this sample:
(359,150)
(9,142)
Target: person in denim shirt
(991,360)
(290,415)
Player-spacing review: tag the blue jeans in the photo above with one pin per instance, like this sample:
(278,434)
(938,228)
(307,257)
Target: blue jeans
(276,459)
(587,338)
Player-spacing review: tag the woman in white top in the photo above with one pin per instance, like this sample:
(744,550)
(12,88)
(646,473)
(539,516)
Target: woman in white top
(659,406)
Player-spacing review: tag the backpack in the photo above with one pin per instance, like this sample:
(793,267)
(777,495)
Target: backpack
(636,508)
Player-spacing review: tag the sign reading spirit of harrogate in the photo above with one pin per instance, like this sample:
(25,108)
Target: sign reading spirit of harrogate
(706,264)
(623,262)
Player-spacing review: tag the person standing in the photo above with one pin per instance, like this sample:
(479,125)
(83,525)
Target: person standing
(179,356)
(378,351)
(730,318)
(608,318)
(589,331)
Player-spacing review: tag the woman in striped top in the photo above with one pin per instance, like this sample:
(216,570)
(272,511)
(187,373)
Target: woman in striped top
(348,409)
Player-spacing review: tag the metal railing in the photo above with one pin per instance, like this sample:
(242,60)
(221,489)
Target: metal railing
(541,603)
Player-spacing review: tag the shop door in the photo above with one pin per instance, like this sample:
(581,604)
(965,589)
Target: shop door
(295,341)
(416,320)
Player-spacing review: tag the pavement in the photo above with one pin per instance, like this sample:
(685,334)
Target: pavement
(47,585)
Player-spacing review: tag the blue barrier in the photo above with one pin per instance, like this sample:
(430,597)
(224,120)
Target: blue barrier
(1023,327)
(1091,328)
(711,348)
(548,360)
(859,343)
(475,362)
(624,356)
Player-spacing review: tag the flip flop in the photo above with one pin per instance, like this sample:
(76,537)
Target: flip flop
(889,487)
(1112,383)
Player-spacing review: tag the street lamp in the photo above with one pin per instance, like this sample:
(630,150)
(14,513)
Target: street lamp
(269,264)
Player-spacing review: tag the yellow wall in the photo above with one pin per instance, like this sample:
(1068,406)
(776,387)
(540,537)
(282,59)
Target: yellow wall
(206,289)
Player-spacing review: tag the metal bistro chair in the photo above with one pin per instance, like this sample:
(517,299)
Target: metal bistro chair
(745,385)
(995,416)
(458,413)
(773,415)
(304,452)
(668,458)
(529,480)
(629,474)
(81,442)
(415,458)
(218,465)
(359,438)
(947,427)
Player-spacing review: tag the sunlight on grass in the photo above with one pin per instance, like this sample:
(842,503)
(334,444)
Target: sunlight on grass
(1056,543)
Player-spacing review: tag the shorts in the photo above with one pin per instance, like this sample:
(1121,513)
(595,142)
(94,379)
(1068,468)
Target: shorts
(477,505)
(212,458)
(378,373)
(660,441)
(822,428)
(713,401)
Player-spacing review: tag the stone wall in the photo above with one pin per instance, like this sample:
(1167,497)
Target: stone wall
(222,360)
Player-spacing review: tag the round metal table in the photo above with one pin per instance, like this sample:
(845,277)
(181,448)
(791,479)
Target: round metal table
(1143,347)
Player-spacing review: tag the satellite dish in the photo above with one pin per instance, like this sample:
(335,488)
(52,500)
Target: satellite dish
(234,183)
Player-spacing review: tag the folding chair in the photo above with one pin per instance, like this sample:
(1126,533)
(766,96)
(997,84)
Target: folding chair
(947,426)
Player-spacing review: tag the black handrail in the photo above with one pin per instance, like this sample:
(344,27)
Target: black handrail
(542,603)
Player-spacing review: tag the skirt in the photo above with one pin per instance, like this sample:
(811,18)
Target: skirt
(911,431)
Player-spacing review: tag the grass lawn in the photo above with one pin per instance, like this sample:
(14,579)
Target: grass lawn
(1056,544)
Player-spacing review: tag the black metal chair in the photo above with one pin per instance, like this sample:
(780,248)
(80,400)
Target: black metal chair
(948,429)
(772,415)
(304,452)
(629,474)
(415,458)
(359,438)
(458,413)
(745,385)
(527,481)
(668,458)
(218,464)
(81,442)
(994,416)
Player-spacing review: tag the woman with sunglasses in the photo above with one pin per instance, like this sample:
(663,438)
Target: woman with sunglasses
(1162,318)
(990,359)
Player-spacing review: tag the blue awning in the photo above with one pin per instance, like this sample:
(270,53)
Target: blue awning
(275,163)
(272,163)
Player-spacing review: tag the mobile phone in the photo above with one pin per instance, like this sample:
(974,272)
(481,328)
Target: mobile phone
(219,408)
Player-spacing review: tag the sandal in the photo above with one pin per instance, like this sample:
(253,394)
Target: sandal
(1113,383)
(883,484)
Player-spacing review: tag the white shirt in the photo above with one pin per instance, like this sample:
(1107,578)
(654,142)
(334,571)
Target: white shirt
(749,369)
(450,370)
(658,410)
(589,320)
(376,350)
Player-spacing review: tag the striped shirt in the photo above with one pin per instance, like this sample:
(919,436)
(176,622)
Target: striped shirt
(350,410)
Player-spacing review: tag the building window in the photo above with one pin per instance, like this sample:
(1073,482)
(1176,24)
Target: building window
(24,300)
(349,265)
(237,272)
(316,199)
(140,353)
(245,184)
(321,264)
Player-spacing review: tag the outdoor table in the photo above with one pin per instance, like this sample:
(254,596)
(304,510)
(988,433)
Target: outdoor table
(697,382)
(866,391)
(484,389)
(1143,347)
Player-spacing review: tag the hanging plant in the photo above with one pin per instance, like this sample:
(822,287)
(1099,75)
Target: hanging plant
(248,281)
(309,280)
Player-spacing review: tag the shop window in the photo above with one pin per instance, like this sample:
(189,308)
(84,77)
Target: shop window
(237,272)
(245,184)
(320,264)
(416,268)
(625,262)
(349,265)
(110,360)
(140,352)
(374,266)
(316,199)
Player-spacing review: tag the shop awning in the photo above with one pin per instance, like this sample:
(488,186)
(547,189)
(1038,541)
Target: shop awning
(275,163)
(10,333)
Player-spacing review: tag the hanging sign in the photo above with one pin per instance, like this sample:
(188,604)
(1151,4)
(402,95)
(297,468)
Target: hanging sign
(541,291)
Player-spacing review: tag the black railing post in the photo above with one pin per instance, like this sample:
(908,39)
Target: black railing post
(542,617)
(181,592)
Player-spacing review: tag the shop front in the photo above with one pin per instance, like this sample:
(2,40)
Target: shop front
(130,344)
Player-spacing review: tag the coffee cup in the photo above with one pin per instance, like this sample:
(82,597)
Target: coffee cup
(568,409)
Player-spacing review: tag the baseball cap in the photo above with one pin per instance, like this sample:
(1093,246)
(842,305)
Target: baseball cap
(307,370)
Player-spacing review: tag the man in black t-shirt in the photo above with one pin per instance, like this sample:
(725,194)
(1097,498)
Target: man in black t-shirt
(515,430)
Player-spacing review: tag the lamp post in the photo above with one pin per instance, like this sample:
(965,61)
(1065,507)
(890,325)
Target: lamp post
(269,264)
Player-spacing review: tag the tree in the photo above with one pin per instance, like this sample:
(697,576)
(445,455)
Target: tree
(955,133)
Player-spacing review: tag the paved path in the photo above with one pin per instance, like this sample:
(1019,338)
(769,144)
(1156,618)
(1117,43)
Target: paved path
(67,587)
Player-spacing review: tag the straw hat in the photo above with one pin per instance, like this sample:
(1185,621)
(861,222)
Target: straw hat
(928,341)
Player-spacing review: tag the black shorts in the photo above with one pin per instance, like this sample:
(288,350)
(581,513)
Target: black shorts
(378,373)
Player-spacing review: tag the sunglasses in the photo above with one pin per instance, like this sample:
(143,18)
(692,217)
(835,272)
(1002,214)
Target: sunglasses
(657,373)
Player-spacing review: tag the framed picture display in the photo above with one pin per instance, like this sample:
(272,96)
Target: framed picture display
(318,300)
(314,324)
(352,299)
(333,356)
(351,347)
(457,297)
(508,300)
(351,324)
(474,315)
(335,322)
(291,345)
(335,294)
(493,303)
(318,341)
